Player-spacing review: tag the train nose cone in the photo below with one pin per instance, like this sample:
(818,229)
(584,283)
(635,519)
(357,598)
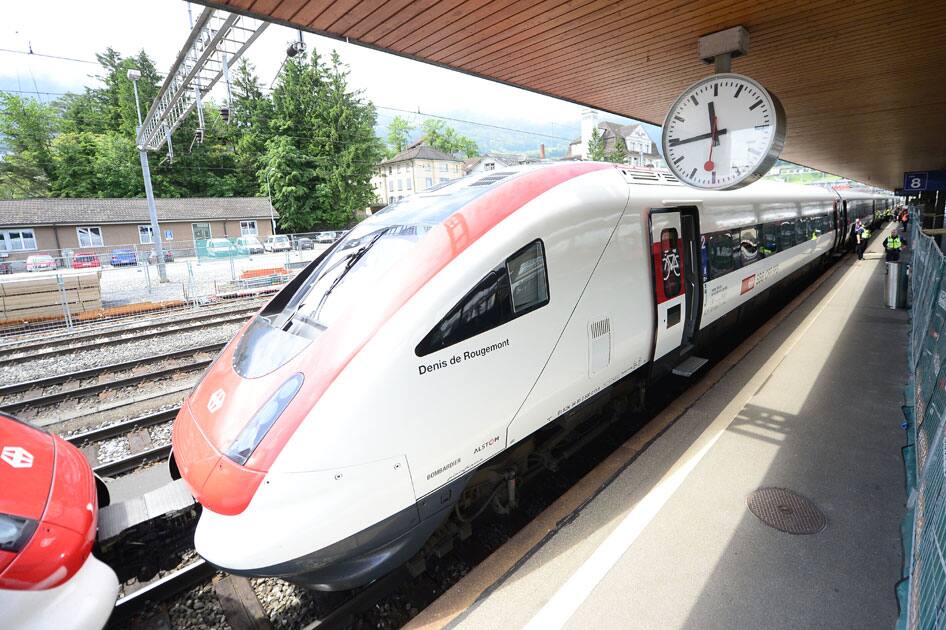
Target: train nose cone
(218,484)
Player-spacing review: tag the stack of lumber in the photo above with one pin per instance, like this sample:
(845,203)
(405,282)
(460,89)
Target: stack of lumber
(41,297)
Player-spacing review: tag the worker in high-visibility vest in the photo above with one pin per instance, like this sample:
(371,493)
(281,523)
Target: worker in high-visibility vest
(860,238)
(892,245)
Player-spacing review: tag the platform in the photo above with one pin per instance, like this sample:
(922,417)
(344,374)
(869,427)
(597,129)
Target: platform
(659,535)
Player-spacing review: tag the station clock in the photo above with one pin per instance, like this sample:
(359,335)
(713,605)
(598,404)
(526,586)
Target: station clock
(723,132)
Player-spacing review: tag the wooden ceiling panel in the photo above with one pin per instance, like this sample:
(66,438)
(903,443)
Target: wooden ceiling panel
(863,84)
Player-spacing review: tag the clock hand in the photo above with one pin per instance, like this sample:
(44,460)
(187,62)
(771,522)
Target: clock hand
(709,166)
(712,118)
(675,141)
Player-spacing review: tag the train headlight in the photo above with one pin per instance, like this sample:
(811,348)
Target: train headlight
(256,429)
(15,532)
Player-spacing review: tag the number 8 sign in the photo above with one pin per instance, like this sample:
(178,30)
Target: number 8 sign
(914,181)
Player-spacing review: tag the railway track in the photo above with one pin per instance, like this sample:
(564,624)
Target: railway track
(131,462)
(103,338)
(44,392)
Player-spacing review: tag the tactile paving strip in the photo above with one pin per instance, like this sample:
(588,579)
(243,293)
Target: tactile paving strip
(786,511)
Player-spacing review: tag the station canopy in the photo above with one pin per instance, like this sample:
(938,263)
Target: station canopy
(863,83)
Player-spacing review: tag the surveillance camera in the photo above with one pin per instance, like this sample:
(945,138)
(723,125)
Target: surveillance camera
(134,75)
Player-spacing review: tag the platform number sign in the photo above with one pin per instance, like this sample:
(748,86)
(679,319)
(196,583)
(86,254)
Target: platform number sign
(922,181)
(915,181)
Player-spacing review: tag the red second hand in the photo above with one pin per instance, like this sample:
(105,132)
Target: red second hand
(709,161)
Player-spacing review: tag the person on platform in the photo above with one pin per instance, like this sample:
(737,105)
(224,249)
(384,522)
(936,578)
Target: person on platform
(860,241)
(892,245)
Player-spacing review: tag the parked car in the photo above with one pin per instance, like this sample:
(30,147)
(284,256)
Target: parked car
(304,242)
(249,245)
(217,247)
(325,237)
(277,243)
(168,256)
(40,262)
(124,257)
(85,260)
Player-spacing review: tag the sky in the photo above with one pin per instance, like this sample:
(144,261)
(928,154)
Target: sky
(82,28)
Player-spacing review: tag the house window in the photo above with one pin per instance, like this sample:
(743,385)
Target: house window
(428,182)
(90,236)
(390,185)
(409,184)
(400,184)
(201,231)
(443,167)
(17,240)
(145,234)
(489,166)
(248,228)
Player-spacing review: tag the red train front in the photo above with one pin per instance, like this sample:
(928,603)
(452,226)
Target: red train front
(48,513)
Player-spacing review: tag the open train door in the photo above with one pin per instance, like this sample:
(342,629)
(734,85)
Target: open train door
(677,286)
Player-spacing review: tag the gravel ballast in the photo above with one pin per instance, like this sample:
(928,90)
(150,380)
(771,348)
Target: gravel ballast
(66,362)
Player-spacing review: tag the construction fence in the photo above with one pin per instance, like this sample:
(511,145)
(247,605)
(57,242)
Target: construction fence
(45,293)
(922,591)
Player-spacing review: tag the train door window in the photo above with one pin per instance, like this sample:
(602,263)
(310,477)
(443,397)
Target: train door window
(769,243)
(786,235)
(719,246)
(749,245)
(670,270)
(514,288)
(527,278)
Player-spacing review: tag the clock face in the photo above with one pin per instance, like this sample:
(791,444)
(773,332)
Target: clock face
(725,131)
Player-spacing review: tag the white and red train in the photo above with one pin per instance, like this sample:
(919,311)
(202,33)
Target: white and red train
(48,514)
(341,425)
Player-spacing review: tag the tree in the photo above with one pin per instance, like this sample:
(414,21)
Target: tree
(596,146)
(399,132)
(322,152)
(443,138)
(28,127)
(620,153)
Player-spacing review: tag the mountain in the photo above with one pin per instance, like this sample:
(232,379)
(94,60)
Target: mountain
(498,136)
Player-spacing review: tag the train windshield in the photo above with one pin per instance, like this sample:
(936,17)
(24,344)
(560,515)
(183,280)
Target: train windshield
(351,270)
(343,276)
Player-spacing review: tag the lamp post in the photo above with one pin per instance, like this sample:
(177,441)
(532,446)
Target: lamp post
(133,76)
(269,193)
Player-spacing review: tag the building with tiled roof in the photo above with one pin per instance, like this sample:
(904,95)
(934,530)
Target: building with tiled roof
(415,169)
(50,225)
(642,148)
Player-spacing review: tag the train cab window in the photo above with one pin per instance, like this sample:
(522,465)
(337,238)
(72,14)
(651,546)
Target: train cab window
(720,249)
(749,245)
(518,286)
(527,278)
(786,235)
(770,242)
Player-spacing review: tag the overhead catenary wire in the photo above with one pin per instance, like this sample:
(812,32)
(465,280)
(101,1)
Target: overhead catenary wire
(30,53)
(384,107)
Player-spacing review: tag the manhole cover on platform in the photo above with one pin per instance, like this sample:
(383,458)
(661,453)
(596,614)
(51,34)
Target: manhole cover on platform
(786,511)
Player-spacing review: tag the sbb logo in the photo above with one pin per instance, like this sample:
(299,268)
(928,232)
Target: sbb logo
(17,457)
(216,400)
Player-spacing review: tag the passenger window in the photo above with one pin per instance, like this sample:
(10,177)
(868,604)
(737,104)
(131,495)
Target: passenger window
(516,287)
(720,248)
(801,230)
(786,235)
(769,244)
(749,245)
(527,278)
